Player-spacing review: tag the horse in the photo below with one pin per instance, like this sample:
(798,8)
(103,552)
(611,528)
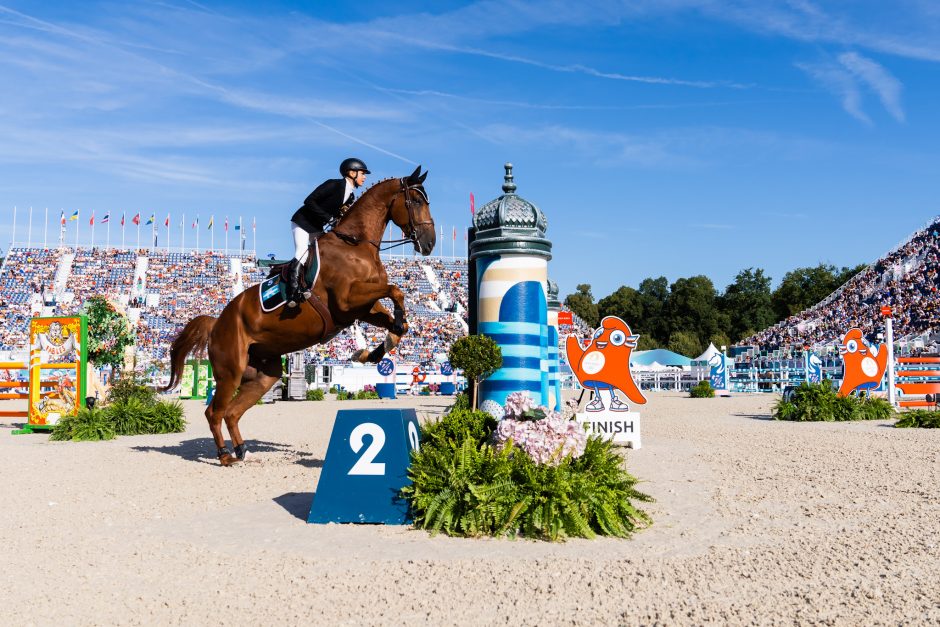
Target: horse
(245,344)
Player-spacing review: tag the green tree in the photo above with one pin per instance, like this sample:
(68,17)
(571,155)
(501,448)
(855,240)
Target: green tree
(747,303)
(478,356)
(685,343)
(582,303)
(802,288)
(109,332)
(625,303)
(653,296)
(691,307)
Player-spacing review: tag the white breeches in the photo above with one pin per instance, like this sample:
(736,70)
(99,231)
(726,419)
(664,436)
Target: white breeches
(302,241)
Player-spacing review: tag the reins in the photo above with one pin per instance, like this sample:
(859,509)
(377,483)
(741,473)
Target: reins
(410,206)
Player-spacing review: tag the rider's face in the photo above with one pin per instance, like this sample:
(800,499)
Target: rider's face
(358,177)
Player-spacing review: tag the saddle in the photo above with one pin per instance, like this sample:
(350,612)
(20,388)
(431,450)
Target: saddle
(273,290)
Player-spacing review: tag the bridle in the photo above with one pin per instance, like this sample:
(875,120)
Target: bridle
(412,231)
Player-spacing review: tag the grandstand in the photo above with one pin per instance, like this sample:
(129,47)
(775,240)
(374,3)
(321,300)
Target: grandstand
(162,290)
(906,279)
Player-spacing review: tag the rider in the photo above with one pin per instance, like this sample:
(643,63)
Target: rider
(324,204)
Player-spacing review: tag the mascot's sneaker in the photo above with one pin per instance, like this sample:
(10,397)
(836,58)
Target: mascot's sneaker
(595,405)
(618,405)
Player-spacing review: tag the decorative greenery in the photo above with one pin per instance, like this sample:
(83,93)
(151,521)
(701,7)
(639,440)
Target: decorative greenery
(920,419)
(109,332)
(132,409)
(464,485)
(821,402)
(315,395)
(704,389)
(478,356)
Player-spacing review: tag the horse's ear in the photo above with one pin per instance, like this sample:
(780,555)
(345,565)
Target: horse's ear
(413,178)
(423,176)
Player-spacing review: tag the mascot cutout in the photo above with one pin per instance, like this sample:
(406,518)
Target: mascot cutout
(863,365)
(604,364)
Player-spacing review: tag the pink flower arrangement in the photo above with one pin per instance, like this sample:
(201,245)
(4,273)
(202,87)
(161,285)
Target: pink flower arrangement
(546,436)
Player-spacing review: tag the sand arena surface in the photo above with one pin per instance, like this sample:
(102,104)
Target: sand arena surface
(755,522)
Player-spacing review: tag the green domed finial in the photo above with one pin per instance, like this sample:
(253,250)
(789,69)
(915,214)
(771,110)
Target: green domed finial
(508,186)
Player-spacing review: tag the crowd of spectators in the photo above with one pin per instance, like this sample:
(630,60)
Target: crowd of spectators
(163,290)
(906,280)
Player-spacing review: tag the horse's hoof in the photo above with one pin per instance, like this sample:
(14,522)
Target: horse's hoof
(291,304)
(228,459)
(363,356)
(241,451)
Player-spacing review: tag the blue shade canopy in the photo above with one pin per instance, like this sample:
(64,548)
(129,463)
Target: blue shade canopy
(659,355)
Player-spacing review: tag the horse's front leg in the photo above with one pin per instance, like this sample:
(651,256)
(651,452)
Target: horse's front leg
(395,324)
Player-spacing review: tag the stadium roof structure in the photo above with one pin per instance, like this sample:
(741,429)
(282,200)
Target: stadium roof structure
(661,355)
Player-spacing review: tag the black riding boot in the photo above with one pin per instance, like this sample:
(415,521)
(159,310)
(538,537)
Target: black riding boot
(296,270)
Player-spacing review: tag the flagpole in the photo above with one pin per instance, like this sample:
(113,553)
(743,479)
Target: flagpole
(197,233)
(107,239)
(61,227)
(122,230)
(13,243)
(212,234)
(254,236)
(45,231)
(29,229)
(183,234)
(92,229)
(78,224)
(241,238)
(226,235)
(138,231)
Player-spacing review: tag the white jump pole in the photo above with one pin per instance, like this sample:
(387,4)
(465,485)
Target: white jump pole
(889,340)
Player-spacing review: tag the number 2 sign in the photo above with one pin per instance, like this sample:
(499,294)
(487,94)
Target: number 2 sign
(366,466)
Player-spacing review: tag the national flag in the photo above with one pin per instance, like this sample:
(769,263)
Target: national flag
(106,218)
(150,221)
(196,223)
(74,216)
(238,227)
(252,224)
(122,219)
(167,221)
(211,221)
(226,223)
(472,208)
(455,233)
(136,219)
(92,221)
(62,219)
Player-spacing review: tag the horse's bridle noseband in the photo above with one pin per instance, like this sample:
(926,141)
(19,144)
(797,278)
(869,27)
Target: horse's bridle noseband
(410,206)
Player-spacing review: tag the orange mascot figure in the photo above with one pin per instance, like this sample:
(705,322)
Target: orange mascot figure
(605,364)
(863,365)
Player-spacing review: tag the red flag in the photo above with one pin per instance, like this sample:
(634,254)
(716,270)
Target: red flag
(472,209)
(226,223)
(136,219)
(122,219)
(167,221)
(455,233)
(92,221)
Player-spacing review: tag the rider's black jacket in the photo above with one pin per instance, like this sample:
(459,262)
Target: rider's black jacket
(322,205)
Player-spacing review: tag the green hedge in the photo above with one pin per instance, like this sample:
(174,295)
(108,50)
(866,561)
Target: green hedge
(920,419)
(132,409)
(813,402)
(704,389)
(315,395)
(462,485)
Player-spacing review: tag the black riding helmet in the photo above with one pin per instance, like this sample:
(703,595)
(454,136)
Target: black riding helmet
(353,164)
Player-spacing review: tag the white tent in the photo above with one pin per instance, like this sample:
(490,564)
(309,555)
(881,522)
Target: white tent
(711,350)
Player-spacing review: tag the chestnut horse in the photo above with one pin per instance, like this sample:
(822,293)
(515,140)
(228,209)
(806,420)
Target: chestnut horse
(245,344)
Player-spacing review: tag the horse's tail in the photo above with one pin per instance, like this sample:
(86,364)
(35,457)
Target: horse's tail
(193,337)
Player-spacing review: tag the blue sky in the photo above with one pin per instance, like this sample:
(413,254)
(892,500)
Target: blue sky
(660,137)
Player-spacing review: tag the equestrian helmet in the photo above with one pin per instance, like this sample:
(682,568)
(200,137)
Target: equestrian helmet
(353,164)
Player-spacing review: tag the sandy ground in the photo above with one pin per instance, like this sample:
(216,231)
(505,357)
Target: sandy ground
(756,522)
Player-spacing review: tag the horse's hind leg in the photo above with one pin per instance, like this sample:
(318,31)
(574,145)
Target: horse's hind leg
(227,367)
(259,376)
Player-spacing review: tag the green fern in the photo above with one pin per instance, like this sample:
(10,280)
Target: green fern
(463,485)
(919,418)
